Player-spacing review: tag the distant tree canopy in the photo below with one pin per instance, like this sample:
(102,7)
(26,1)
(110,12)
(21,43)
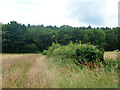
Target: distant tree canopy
(13,35)
(18,38)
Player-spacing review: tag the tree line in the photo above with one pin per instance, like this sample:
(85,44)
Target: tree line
(19,38)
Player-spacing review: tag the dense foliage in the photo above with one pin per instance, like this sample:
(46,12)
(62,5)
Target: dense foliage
(81,55)
(18,38)
(80,52)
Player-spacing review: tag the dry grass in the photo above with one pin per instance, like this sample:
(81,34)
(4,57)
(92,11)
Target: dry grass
(25,71)
(15,68)
(36,71)
(110,55)
(38,76)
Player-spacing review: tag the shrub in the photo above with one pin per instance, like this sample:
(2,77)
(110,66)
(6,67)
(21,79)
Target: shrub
(44,52)
(88,53)
(77,51)
(52,48)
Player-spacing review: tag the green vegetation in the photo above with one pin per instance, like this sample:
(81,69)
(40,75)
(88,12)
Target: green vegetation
(71,76)
(78,52)
(97,73)
(75,56)
(18,38)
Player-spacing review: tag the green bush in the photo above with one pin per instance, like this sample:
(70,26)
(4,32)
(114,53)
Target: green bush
(44,52)
(88,53)
(77,51)
(52,48)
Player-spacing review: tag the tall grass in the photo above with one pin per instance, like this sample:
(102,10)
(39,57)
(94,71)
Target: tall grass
(37,71)
(65,65)
(71,76)
(15,69)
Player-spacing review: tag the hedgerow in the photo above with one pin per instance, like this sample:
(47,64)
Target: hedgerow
(77,51)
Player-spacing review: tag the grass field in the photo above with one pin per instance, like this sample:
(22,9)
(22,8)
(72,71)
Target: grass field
(37,71)
(110,55)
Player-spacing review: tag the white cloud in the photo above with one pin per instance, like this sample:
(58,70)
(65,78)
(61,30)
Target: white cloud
(43,11)
(111,13)
(51,12)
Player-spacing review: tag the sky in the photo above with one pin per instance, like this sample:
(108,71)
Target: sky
(76,13)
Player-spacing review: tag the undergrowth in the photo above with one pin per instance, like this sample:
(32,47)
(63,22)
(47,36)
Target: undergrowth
(81,66)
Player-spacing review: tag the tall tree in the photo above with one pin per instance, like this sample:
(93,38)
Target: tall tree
(13,37)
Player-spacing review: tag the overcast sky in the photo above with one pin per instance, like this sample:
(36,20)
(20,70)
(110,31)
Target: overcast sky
(60,12)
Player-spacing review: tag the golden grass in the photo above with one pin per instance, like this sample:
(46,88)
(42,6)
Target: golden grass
(111,55)
(25,71)
(37,71)
(15,68)
(38,76)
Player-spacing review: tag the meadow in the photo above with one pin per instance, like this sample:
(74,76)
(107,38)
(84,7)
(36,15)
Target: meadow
(59,57)
(39,71)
